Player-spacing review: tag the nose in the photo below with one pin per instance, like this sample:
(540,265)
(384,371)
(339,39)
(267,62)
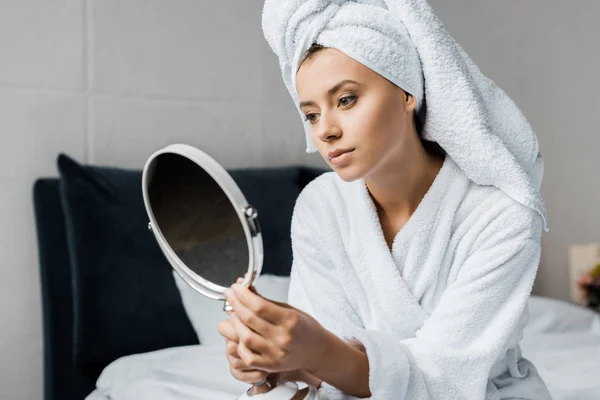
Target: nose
(328,128)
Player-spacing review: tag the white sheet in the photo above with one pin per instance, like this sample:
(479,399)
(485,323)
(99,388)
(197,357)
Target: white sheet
(569,363)
(180,373)
(562,341)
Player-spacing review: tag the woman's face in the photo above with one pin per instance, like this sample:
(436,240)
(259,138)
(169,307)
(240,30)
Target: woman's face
(370,117)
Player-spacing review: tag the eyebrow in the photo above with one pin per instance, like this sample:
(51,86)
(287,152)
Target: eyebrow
(331,91)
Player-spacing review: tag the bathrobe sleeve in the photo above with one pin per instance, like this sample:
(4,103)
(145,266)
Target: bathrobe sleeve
(473,325)
(314,284)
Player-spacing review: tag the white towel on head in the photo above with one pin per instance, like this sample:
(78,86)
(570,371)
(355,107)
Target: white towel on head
(462,110)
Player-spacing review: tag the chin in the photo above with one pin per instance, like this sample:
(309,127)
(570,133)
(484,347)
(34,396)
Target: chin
(350,173)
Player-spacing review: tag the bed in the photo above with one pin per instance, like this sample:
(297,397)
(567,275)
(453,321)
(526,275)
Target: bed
(118,325)
(562,340)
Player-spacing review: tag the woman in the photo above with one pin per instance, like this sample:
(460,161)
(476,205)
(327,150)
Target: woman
(409,279)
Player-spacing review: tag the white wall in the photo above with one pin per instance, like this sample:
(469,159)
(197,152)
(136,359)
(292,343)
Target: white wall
(109,81)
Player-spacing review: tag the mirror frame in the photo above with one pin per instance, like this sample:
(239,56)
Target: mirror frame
(247,214)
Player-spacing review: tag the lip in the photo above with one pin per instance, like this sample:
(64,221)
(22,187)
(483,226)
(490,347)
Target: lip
(343,159)
(337,152)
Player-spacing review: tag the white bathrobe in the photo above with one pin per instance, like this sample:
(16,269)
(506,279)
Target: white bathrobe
(441,314)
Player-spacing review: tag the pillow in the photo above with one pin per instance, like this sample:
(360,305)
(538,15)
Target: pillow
(548,315)
(125,300)
(205,313)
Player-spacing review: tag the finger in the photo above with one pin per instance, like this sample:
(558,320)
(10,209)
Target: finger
(238,363)
(258,305)
(227,330)
(252,359)
(250,318)
(250,377)
(249,338)
(231,348)
(251,287)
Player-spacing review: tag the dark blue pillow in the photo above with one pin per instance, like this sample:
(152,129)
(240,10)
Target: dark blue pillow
(273,192)
(125,299)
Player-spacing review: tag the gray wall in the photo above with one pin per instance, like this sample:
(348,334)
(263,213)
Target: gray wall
(109,81)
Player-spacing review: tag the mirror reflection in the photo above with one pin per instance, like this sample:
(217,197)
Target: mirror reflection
(197,219)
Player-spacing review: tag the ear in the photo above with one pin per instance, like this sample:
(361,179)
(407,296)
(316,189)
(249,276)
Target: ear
(410,102)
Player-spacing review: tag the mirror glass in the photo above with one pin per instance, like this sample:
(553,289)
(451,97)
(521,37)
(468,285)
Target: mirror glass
(197,219)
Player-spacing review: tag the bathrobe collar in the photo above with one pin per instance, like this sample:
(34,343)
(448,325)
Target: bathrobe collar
(381,269)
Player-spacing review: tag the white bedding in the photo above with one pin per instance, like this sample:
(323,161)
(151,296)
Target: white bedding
(561,339)
(179,373)
(563,342)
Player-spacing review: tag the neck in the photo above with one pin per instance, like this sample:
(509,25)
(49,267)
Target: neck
(399,184)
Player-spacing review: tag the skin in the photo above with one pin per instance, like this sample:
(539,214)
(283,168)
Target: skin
(375,118)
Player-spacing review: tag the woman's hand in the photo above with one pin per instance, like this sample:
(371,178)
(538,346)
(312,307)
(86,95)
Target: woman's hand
(271,336)
(238,369)
(244,373)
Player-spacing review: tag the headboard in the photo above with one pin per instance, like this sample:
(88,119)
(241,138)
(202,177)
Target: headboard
(63,378)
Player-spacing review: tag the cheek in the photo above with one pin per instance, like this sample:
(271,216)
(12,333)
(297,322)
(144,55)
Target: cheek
(376,123)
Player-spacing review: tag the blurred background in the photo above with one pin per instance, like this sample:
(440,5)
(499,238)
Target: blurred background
(110,81)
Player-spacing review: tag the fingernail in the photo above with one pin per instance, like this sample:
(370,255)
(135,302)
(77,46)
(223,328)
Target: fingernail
(228,292)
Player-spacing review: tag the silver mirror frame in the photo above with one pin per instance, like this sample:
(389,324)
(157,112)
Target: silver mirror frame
(247,215)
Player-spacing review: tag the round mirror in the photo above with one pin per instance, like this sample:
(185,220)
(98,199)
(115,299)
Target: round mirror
(201,220)
(208,232)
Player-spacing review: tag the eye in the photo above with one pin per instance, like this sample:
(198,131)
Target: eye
(309,117)
(344,102)
(353,98)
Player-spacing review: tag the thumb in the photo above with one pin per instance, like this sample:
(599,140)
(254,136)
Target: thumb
(251,287)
